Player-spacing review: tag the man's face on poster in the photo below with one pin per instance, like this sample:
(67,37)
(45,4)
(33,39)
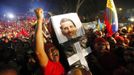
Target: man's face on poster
(68,29)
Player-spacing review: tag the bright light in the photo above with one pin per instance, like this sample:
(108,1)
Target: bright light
(131,19)
(10,15)
(120,9)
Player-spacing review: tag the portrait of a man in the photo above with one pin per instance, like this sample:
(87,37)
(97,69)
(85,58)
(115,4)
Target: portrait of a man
(67,26)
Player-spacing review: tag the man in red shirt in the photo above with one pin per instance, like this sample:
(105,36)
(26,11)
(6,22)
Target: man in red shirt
(48,56)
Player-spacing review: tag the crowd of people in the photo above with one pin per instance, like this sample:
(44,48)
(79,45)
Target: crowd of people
(20,28)
(24,50)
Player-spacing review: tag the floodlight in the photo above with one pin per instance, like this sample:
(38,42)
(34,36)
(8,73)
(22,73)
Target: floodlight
(10,15)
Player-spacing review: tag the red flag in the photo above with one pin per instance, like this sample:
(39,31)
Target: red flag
(108,26)
(111,19)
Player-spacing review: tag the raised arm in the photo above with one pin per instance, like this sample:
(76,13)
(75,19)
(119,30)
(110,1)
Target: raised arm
(40,50)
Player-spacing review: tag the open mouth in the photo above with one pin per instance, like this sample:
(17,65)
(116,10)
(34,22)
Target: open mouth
(55,54)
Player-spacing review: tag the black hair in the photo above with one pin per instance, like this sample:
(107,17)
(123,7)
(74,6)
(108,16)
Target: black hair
(7,66)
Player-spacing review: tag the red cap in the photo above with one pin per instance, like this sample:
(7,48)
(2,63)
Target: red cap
(102,40)
(119,38)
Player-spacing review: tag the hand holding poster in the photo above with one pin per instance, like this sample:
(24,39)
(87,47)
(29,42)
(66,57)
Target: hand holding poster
(69,31)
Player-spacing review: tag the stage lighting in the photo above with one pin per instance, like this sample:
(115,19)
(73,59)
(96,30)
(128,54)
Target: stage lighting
(10,15)
(131,19)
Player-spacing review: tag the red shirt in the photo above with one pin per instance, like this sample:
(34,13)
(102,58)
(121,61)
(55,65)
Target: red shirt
(53,68)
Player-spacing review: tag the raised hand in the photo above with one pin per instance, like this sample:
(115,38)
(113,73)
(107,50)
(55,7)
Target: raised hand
(39,13)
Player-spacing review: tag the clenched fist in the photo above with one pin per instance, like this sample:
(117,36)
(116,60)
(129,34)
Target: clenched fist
(39,13)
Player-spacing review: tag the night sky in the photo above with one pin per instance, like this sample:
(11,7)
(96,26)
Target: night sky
(124,3)
(23,6)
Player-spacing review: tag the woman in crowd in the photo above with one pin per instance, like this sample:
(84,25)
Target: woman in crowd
(48,58)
